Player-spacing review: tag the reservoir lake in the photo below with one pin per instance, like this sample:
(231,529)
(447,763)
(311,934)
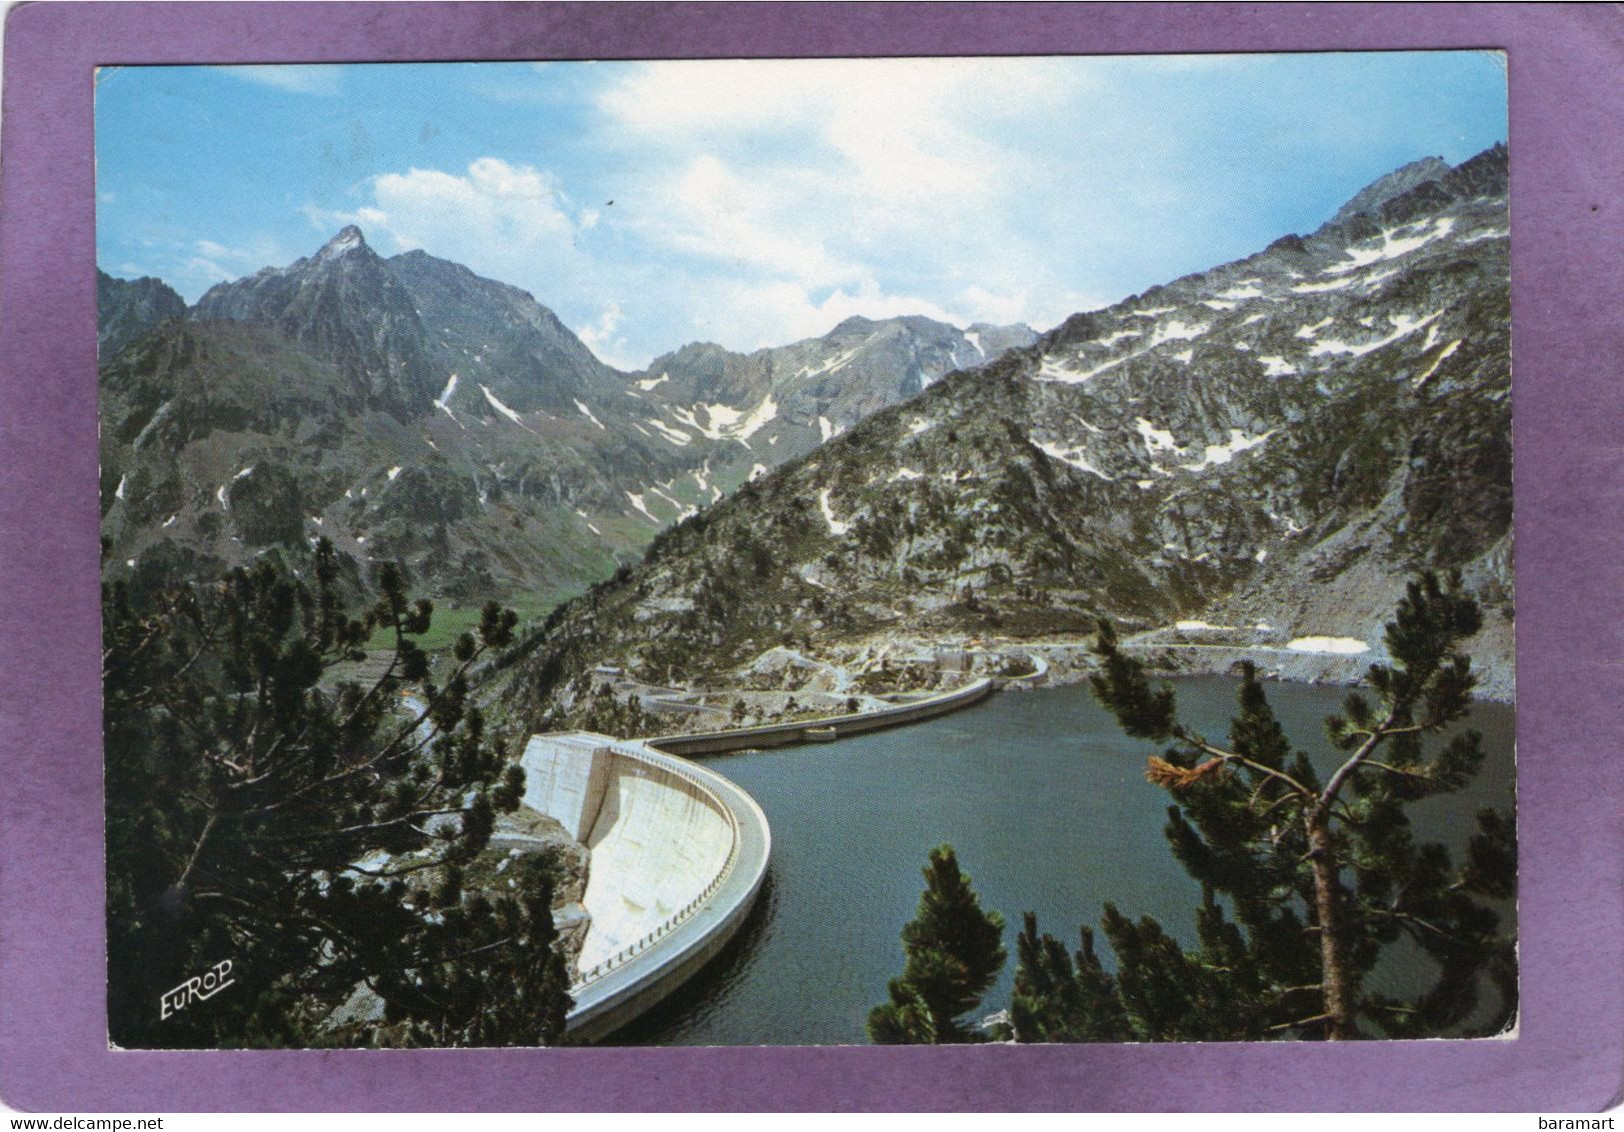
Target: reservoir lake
(1045,801)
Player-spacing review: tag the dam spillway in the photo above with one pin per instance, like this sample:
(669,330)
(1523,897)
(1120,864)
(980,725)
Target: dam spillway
(678,856)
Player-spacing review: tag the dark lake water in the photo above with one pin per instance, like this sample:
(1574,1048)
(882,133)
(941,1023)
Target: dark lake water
(1047,805)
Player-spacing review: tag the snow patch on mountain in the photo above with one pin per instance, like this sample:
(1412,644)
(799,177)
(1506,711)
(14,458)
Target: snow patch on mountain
(1224,453)
(839,361)
(836,527)
(450,387)
(496,403)
(682,511)
(680,439)
(1052,370)
(1393,245)
(1436,362)
(587,413)
(759,417)
(637,502)
(1333,285)
(1156,439)
(1403,326)
(1076,456)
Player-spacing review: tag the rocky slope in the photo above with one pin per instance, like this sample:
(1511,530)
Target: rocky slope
(407,408)
(742,415)
(128,308)
(1263,452)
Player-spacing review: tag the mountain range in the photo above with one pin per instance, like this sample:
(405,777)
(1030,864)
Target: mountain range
(1265,451)
(408,409)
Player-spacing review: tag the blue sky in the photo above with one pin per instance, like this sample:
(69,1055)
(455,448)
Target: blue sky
(753,203)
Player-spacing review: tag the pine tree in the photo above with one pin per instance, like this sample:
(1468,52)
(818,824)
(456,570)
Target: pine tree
(308,828)
(1320,876)
(953,954)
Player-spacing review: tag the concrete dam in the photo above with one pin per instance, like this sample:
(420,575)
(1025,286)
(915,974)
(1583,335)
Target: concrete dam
(678,852)
(678,856)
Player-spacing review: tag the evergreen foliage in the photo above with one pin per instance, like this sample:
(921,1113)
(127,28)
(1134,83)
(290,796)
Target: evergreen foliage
(1316,878)
(954,953)
(309,829)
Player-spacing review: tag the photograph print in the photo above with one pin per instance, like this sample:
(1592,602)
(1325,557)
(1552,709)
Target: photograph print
(807,552)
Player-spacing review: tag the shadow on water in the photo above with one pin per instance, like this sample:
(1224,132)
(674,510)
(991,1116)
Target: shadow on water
(707,993)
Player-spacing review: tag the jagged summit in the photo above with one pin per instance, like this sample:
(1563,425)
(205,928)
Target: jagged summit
(128,308)
(1390,185)
(348,239)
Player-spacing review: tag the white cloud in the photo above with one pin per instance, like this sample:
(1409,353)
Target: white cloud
(194,266)
(298,78)
(214,250)
(496,217)
(599,335)
(760,222)
(760,201)
(832,187)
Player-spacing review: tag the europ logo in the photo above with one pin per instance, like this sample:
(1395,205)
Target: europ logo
(197,988)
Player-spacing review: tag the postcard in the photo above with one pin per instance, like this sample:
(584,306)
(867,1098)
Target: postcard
(1010,551)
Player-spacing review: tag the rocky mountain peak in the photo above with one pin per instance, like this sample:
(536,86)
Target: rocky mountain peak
(856,324)
(127,309)
(348,239)
(344,304)
(1390,185)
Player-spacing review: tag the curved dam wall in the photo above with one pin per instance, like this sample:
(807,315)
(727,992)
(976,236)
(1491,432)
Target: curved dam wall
(824,728)
(678,856)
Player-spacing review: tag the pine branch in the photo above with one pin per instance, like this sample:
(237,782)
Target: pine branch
(1185,735)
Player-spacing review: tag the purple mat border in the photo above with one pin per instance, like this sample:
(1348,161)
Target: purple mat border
(1567,167)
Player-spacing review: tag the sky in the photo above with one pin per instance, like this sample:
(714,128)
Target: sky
(758,202)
